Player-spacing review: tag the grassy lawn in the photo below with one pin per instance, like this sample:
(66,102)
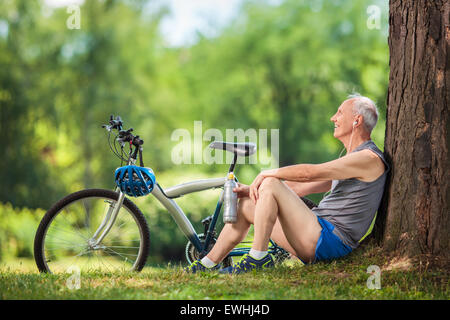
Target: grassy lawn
(342,279)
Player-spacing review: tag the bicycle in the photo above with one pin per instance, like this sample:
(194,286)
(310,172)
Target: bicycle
(100,229)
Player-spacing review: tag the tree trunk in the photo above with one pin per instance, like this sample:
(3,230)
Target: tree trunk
(414,216)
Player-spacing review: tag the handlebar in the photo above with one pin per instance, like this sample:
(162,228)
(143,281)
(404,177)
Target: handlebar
(125,136)
(114,123)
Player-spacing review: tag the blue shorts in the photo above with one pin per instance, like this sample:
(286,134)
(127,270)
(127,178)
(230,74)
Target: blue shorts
(329,246)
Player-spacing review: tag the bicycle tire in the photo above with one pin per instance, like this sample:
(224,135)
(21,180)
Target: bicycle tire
(58,207)
(192,254)
(310,204)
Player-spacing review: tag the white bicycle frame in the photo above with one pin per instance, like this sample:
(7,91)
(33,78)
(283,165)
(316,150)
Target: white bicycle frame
(165,197)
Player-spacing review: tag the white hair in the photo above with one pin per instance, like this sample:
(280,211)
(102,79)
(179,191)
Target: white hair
(367,109)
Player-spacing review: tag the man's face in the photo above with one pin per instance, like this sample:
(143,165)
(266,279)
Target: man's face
(343,119)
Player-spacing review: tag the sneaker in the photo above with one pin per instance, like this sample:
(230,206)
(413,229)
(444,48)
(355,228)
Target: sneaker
(197,266)
(247,263)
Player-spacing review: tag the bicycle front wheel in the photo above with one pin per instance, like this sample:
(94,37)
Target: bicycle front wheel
(64,239)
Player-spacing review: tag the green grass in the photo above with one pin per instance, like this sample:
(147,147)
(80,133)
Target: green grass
(342,279)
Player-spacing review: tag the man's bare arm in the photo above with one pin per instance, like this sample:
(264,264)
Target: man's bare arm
(364,165)
(306,188)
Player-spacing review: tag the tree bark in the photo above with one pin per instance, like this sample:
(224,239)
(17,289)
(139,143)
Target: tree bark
(414,216)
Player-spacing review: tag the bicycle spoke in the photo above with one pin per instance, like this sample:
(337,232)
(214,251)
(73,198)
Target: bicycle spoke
(102,262)
(64,247)
(68,231)
(121,254)
(68,236)
(59,240)
(123,247)
(76,229)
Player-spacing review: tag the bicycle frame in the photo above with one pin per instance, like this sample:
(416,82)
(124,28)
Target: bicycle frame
(166,198)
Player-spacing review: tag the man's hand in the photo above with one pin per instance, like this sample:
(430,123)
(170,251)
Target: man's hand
(242,190)
(254,195)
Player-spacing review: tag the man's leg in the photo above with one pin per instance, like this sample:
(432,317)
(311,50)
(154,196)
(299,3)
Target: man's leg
(233,233)
(298,223)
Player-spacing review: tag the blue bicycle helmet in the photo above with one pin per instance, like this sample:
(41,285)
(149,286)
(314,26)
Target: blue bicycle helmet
(135,181)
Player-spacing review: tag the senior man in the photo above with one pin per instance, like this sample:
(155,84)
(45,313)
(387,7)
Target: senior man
(331,230)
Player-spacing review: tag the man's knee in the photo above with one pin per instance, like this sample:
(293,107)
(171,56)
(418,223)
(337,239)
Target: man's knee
(269,185)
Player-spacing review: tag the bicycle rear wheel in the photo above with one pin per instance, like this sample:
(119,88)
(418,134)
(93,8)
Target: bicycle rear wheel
(64,237)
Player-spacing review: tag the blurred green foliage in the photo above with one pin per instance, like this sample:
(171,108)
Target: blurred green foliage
(17,229)
(283,66)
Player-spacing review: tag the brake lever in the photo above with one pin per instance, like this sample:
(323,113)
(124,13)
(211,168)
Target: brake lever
(115,123)
(107,127)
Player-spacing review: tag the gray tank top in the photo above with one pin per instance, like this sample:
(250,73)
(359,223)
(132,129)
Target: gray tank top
(352,203)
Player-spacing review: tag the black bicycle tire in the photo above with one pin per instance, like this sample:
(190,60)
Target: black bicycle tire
(310,204)
(58,206)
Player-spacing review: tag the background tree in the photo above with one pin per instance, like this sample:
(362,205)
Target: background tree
(415,214)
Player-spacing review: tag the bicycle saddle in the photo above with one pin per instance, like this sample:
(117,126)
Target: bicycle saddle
(239,148)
